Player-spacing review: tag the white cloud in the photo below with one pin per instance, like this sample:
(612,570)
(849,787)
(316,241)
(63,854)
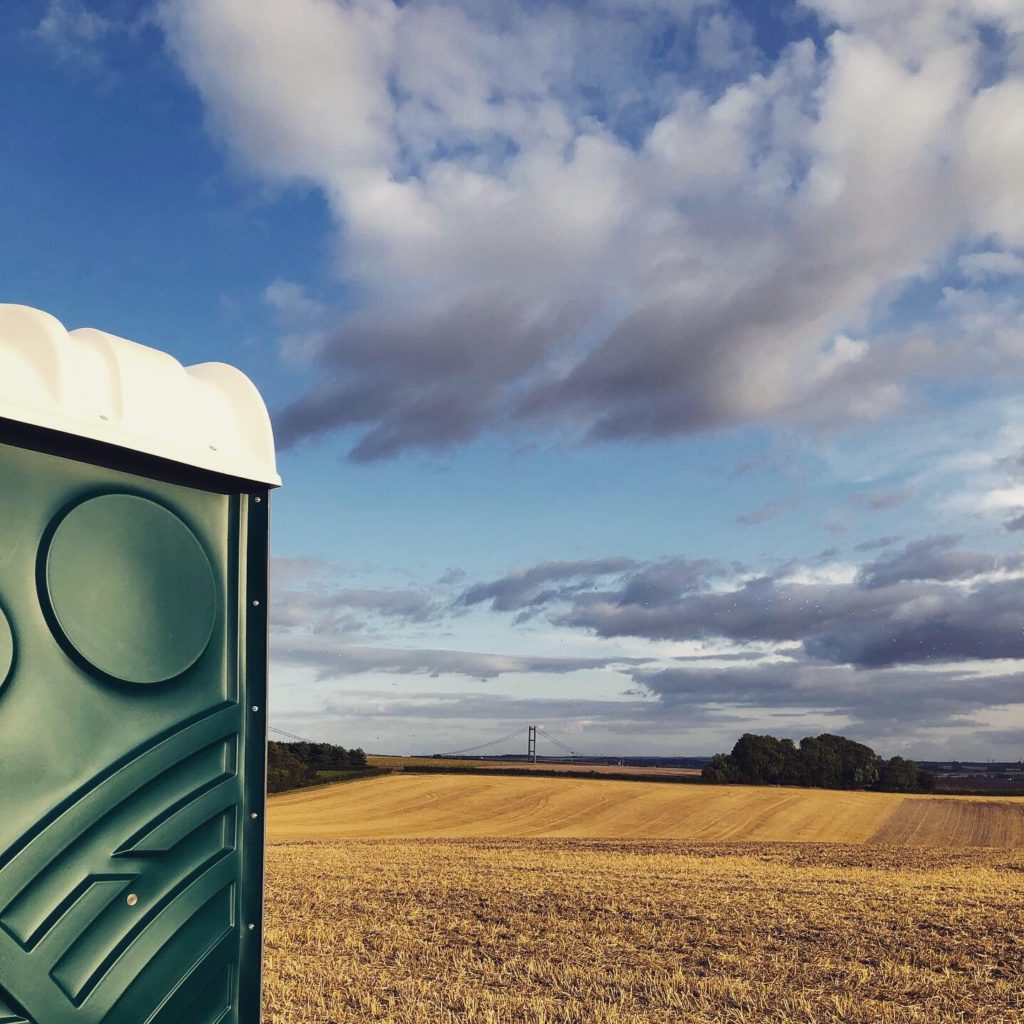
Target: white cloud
(550,228)
(994,156)
(1000,499)
(301,316)
(291,301)
(980,265)
(832,573)
(74,32)
(87,35)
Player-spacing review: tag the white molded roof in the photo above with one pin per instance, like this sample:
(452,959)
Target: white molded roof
(96,385)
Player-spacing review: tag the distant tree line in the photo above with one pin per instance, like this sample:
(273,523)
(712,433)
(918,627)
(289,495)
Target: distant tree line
(826,761)
(293,765)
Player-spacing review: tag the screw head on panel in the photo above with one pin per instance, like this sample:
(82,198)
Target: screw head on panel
(252,927)
(254,815)
(131,899)
(255,707)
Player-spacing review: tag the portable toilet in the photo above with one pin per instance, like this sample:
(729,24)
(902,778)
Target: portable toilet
(133,661)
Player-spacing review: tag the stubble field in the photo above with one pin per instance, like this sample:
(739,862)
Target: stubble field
(466,806)
(634,930)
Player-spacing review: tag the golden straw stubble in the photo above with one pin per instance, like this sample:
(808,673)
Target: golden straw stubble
(577,931)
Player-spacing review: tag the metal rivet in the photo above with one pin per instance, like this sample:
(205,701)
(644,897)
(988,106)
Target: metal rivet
(258,500)
(254,815)
(255,707)
(132,899)
(255,604)
(252,927)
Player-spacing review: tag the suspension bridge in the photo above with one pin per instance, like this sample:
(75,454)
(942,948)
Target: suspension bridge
(528,735)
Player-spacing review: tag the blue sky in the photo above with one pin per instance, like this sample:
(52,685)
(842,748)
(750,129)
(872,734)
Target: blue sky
(644,368)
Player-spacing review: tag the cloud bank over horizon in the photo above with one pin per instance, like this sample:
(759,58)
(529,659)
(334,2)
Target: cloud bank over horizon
(922,637)
(649,368)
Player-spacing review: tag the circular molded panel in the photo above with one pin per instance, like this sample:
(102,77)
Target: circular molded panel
(130,588)
(6,649)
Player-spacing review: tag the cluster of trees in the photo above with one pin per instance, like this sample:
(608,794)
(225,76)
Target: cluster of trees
(292,765)
(831,762)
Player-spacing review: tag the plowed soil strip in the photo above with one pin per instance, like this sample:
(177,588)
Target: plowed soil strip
(951,822)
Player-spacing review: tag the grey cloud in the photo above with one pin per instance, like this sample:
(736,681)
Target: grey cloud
(332,658)
(1016,523)
(767,512)
(745,467)
(672,370)
(430,383)
(882,498)
(306,596)
(571,720)
(824,557)
(486,706)
(836,527)
(931,625)
(292,571)
(320,610)
(905,623)
(882,708)
(661,581)
(594,726)
(1010,737)
(886,701)
(678,368)
(900,608)
(732,656)
(1013,464)
(877,543)
(933,558)
(528,587)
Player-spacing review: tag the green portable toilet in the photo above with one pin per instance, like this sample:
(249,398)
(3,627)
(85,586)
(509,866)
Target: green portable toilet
(133,632)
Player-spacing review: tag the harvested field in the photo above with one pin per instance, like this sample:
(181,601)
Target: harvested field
(954,822)
(450,806)
(528,931)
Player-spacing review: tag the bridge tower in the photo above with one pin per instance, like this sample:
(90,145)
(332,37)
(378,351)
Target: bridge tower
(531,744)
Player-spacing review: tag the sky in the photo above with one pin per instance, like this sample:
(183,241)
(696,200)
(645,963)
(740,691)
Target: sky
(645,369)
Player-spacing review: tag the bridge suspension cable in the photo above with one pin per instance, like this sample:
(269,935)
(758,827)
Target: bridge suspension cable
(559,743)
(526,729)
(290,735)
(483,746)
(541,731)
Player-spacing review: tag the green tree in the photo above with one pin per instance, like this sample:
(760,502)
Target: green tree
(899,775)
(836,762)
(765,759)
(285,769)
(827,761)
(721,769)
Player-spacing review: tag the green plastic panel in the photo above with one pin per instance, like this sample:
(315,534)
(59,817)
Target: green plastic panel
(131,816)
(130,588)
(6,649)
